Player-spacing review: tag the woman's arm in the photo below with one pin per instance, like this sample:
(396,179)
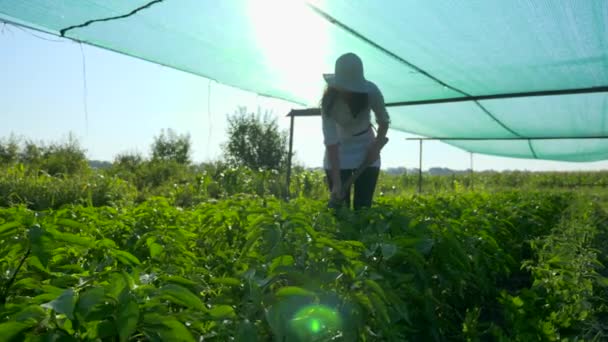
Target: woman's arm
(330,135)
(383,121)
(382,129)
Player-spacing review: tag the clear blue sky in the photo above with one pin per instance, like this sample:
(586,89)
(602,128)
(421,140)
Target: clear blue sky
(129,101)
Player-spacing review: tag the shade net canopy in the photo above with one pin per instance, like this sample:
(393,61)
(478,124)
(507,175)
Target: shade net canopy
(513,72)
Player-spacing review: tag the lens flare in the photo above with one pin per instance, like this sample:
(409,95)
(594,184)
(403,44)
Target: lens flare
(316,321)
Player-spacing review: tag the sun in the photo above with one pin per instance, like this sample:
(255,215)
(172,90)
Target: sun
(295,44)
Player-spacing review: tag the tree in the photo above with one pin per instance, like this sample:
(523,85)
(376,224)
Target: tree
(9,150)
(65,158)
(172,147)
(255,142)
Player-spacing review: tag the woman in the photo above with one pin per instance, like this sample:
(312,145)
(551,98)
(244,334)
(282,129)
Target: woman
(348,135)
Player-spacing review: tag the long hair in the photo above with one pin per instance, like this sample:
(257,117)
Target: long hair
(355,101)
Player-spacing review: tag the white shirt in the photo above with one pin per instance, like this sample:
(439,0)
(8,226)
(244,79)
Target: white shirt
(340,127)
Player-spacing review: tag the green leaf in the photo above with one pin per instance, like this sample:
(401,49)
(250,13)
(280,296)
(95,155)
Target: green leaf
(327,242)
(355,244)
(226,281)
(294,291)
(104,329)
(127,319)
(246,332)
(310,230)
(388,250)
(347,252)
(163,328)
(178,280)
(69,238)
(375,287)
(70,223)
(380,308)
(51,293)
(34,262)
(222,312)
(54,336)
(252,237)
(105,243)
(64,281)
(42,245)
(64,304)
(10,330)
(27,283)
(126,258)
(9,228)
(155,250)
(88,299)
(364,301)
(422,245)
(52,290)
(602,281)
(517,302)
(283,260)
(117,284)
(32,314)
(176,331)
(182,296)
(399,306)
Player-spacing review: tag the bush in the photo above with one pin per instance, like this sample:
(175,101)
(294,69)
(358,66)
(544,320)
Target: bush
(40,191)
(255,142)
(59,158)
(66,158)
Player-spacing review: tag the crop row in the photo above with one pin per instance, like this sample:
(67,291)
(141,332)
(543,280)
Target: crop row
(452,267)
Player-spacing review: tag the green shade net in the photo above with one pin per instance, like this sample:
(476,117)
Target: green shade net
(413,50)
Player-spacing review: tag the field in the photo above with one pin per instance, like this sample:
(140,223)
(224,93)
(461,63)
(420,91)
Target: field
(166,252)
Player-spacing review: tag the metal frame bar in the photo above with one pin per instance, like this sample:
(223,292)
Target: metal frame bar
(591,90)
(513,138)
(305,112)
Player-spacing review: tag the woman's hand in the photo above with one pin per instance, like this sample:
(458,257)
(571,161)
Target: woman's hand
(373,152)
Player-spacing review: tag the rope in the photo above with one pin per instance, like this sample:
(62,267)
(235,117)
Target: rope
(63,31)
(84,91)
(210,124)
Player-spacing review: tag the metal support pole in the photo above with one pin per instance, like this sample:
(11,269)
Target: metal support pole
(289,155)
(420,169)
(471,172)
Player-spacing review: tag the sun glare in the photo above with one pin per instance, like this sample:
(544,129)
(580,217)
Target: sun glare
(294,42)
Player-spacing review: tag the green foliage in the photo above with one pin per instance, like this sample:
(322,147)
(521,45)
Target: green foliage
(128,162)
(66,158)
(56,159)
(39,191)
(9,150)
(255,142)
(257,269)
(567,297)
(161,250)
(172,147)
